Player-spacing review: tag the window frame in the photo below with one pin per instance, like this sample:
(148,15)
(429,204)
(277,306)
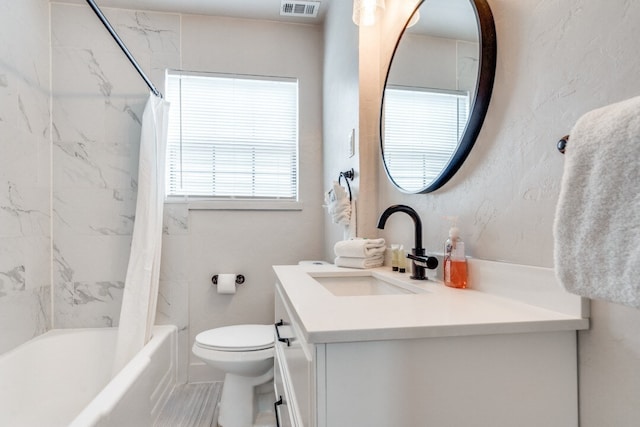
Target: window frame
(212,202)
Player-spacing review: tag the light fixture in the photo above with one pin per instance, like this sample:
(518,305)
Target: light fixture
(364,11)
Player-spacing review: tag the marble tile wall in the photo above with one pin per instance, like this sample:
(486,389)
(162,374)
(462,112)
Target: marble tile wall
(97,103)
(25,304)
(173,295)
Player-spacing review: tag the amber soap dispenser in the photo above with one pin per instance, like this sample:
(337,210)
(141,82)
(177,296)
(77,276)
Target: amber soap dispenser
(455,263)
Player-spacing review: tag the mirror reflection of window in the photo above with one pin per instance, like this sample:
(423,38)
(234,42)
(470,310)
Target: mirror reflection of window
(422,129)
(232,137)
(448,53)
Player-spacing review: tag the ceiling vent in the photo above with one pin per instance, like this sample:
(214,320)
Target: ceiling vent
(307,9)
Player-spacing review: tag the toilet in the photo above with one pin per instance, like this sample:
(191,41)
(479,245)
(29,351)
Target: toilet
(245,354)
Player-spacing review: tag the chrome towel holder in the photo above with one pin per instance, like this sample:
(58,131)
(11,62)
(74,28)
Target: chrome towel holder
(348,175)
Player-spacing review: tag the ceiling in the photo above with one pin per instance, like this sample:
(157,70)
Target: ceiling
(250,9)
(441,18)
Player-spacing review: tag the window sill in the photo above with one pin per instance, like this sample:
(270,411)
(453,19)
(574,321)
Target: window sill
(237,205)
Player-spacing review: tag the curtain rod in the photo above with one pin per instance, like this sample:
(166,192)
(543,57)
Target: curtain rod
(118,40)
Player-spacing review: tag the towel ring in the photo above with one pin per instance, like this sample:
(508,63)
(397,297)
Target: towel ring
(348,175)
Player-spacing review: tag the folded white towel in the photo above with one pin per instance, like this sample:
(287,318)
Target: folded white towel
(597,223)
(370,262)
(359,248)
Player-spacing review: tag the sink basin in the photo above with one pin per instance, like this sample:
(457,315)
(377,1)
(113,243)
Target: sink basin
(362,285)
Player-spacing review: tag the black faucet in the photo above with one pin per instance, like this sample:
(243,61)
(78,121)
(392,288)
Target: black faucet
(419,259)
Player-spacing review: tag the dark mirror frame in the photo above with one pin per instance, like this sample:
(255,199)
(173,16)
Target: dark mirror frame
(478,111)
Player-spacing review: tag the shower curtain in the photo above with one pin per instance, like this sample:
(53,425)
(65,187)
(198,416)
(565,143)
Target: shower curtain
(141,283)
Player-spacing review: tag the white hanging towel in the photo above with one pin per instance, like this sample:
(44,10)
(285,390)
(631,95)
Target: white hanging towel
(350,231)
(597,222)
(140,295)
(338,204)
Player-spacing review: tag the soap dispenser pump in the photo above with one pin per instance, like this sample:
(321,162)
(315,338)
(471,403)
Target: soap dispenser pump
(455,263)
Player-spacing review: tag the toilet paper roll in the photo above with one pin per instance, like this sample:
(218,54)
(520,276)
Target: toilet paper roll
(226,283)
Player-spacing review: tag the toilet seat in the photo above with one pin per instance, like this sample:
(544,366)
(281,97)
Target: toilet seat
(237,338)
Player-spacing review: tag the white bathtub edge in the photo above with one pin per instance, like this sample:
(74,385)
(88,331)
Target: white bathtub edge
(106,401)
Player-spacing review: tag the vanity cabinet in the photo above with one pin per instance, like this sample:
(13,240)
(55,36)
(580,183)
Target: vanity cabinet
(294,370)
(496,380)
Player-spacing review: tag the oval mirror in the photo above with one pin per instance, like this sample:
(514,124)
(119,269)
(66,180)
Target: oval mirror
(437,92)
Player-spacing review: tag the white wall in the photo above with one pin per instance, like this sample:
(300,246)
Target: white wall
(25,232)
(250,242)
(556,61)
(340,106)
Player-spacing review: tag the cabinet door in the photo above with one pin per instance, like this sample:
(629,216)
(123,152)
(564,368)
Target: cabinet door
(297,356)
(282,406)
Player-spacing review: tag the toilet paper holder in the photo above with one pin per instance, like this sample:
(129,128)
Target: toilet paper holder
(239,279)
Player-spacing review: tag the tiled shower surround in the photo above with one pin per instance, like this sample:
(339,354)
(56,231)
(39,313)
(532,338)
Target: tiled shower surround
(69,166)
(97,103)
(25,230)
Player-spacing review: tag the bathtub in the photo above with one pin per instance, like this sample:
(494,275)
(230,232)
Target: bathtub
(62,378)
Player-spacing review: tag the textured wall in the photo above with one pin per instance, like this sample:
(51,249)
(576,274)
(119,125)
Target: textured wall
(557,59)
(550,71)
(24,172)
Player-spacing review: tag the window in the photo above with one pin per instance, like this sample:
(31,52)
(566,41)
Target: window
(232,137)
(413,116)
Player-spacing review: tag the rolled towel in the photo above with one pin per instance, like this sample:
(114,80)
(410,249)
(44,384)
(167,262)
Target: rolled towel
(359,248)
(350,262)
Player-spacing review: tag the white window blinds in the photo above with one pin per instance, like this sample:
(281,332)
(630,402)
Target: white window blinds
(422,128)
(232,137)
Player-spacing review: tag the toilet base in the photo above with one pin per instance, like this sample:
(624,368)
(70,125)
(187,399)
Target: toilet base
(238,400)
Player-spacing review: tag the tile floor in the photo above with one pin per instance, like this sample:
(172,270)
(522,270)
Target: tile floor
(191,405)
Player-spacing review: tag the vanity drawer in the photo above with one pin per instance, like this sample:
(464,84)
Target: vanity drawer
(297,360)
(282,405)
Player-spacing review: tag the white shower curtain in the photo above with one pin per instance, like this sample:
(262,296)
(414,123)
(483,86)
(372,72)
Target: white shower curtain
(141,283)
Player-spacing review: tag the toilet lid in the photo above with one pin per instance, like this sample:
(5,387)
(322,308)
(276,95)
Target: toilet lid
(237,338)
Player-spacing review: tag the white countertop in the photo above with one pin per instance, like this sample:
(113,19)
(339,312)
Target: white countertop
(490,308)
